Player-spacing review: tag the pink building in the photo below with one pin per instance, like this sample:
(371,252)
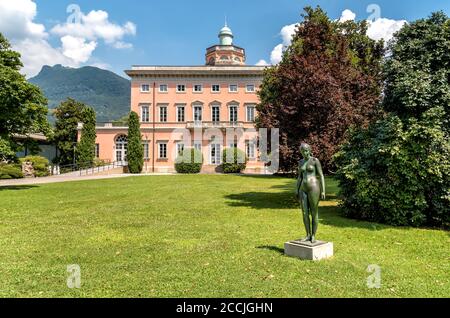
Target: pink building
(209,107)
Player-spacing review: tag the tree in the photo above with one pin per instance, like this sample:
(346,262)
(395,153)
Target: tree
(86,146)
(135,152)
(68,114)
(23,108)
(189,161)
(397,171)
(329,80)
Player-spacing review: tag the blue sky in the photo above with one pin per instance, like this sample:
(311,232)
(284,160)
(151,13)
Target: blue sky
(177,32)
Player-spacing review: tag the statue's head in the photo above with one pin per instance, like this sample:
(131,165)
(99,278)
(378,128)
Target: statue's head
(305,150)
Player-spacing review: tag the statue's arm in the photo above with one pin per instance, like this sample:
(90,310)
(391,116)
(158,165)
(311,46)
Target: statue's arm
(299,178)
(322,179)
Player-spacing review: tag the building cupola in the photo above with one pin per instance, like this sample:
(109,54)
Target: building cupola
(225,53)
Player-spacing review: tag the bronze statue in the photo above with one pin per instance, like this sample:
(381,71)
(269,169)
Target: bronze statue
(309,191)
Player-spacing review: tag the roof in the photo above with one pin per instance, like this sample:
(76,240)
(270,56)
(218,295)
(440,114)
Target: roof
(195,70)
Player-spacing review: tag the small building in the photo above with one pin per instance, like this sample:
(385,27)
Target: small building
(46,149)
(201,102)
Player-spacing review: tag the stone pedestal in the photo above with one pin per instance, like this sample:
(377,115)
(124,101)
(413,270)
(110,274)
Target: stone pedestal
(309,251)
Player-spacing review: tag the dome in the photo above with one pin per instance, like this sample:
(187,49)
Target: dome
(226,36)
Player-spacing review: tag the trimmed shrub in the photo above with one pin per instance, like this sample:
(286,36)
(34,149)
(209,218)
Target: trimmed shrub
(237,161)
(10,171)
(40,165)
(135,154)
(190,161)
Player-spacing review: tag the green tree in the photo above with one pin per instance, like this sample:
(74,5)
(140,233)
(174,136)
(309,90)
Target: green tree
(234,160)
(328,80)
(68,114)
(23,108)
(135,153)
(398,170)
(86,146)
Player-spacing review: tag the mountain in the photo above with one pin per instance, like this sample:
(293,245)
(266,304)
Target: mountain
(105,91)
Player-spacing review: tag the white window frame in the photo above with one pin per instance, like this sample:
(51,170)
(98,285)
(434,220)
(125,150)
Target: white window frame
(146,145)
(252,144)
(250,91)
(160,143)
(193,113)
(212,112)
(218,156)
(184,114)
(237,113)
(212,88)
(247,108)
(143,118)
(142,88)
(201,88)
(167,113)
(161,91)
(237,88)
(179,91)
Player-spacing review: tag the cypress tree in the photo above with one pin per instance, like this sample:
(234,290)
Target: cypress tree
(86,146)
(135,148)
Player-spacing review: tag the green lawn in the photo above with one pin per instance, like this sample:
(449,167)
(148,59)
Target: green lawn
(201,236)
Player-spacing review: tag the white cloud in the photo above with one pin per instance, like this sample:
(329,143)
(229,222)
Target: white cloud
(77,48)
(378,29)
(262,63)
(384,28)
(96,26)
(17,23)
(381,28)
(347,15)
(277,54)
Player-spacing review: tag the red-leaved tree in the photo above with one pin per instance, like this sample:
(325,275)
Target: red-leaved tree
(329,80)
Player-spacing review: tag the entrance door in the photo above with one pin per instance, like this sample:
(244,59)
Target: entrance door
(121,148)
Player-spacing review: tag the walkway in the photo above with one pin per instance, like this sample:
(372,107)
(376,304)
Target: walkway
(67,178)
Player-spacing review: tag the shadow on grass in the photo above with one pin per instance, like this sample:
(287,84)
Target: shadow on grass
(272,248)
(17,187)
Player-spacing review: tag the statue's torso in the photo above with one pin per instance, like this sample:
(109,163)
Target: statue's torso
(307,171)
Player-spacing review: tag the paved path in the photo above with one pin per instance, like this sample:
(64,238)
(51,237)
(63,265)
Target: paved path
(66,178)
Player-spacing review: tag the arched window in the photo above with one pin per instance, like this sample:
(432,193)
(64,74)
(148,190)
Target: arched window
(121,148)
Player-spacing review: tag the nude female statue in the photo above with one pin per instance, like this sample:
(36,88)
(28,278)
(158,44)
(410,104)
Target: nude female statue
(309,191)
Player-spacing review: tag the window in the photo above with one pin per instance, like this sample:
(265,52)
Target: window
(250,149)
(233,145)
(162,154)
(121,148)
(250,88)
(181,88)
(163,88)
(198,145)
(251,113)
(181,114)
(197,114)
(215,88)
(180,148)
(146,149)
(215,115)
(233,88)
(198,88)
(145,88)
(233,114)
(215,154)
(163,114)
(145,114)
(97,150)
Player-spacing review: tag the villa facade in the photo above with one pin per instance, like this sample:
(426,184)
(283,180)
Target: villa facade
(191,106)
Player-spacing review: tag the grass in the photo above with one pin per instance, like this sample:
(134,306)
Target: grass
(201,236)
